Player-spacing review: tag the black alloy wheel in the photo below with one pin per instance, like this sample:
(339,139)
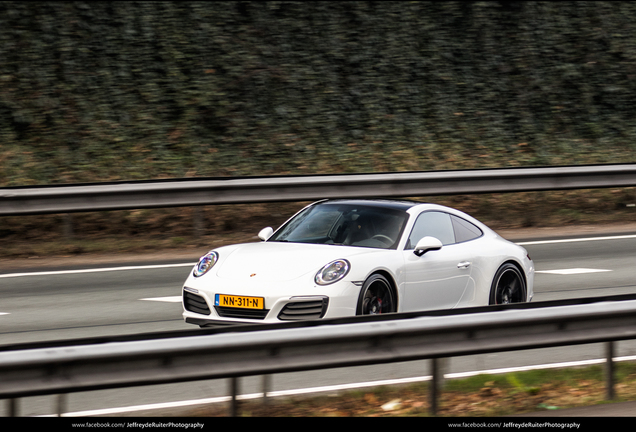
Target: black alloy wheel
(508,286)
(376,297)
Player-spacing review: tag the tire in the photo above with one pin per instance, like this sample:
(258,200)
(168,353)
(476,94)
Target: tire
(508,286)
(376,297)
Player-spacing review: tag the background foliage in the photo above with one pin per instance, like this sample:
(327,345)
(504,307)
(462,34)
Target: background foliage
(96,91)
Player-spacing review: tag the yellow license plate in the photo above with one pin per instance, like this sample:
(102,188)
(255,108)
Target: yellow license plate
(239,301)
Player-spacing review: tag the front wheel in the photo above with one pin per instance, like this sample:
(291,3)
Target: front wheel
(508,286)
(376,297)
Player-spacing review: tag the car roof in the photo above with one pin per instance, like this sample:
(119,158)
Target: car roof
(403,205)
(396,204)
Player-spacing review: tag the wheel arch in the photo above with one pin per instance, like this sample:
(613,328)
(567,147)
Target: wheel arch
(521,270)
(392,283)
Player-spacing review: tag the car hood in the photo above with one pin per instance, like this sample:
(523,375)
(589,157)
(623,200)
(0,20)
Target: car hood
(280,261)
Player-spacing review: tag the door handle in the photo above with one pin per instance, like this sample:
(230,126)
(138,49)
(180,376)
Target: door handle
(463,265)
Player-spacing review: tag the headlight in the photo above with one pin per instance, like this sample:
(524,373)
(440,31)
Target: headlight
(206,262)
(332,272)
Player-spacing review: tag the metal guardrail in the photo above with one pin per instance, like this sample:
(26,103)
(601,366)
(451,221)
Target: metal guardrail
(196,192)
(230,355)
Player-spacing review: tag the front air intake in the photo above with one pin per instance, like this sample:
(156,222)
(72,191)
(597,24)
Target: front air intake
(195,303)
(304,310)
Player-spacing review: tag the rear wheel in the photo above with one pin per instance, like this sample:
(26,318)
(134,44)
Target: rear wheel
(376,297)
(508,286)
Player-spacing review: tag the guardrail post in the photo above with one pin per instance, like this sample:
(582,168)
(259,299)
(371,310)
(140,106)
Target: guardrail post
(234,389)
(197,221)
(13,407)
(61,404)
(609,370)
(266,383)
(434,385)
(68,226)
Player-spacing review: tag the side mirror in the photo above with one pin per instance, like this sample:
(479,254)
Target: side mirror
(265,233)
(427,244)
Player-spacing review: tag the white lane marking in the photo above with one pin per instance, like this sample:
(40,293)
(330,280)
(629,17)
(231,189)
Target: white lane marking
(4,313)
(339,387)
(170,299)
(620,237)
(572,271)
(95,270)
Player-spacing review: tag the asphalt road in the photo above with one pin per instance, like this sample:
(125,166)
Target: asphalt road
(59,303)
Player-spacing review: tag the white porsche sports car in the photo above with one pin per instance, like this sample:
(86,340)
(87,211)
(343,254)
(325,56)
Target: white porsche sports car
(338,258)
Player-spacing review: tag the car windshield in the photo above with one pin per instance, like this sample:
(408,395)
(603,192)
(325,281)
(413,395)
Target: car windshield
(345,224)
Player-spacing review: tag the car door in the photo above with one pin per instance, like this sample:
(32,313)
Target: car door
(438,278)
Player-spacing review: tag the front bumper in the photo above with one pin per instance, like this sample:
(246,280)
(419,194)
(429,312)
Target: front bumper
(200,310)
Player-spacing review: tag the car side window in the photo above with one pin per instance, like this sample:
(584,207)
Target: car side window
(434,224)
(464,230)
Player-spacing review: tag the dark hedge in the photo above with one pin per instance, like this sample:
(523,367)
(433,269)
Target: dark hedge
(95,91)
